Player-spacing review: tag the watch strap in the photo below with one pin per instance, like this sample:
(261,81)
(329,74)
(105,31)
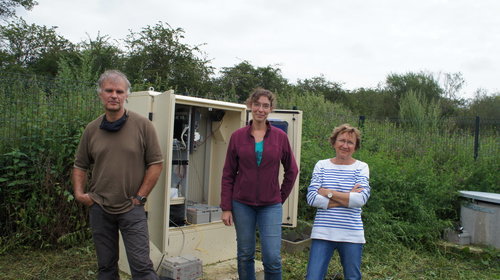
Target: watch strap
(142,199)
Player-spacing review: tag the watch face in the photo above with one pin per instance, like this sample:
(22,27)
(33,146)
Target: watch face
(329,195)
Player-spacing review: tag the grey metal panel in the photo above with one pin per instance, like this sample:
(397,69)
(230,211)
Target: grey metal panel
(483,196)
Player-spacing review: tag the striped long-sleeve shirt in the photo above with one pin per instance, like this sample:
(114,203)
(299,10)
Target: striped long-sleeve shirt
(342,224)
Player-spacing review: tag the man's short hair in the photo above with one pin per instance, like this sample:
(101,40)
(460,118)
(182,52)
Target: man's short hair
(112,75)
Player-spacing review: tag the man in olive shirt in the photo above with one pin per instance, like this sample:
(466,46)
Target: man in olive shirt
(121,149)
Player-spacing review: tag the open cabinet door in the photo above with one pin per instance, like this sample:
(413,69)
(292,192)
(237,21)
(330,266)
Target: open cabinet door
(289,121)
(159,108)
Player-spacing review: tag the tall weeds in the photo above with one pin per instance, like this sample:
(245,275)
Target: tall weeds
(42,121)
(417,169)
(415,173)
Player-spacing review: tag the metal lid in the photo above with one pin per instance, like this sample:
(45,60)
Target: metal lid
(483,196)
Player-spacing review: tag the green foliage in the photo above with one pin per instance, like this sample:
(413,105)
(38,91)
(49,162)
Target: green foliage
(157,57)
(35,190)
(32,48)
(82,71)
(72,238)
(485,106)
(315,145)
(319,85)
(7,7)
(368,102)
(389,261)
(103,54)
(406,201)
(398,85)
(242,78)
(418,112)
(415,174)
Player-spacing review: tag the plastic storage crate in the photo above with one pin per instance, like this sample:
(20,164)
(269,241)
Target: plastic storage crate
(181,268)
(198,214)
(215,213)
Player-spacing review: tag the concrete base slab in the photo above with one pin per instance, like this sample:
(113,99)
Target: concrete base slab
(453,236)
(228,270)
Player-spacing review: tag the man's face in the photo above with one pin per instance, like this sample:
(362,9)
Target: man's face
(113,94)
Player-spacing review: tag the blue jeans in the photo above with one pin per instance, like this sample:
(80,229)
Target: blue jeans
(268,220)
(134,228)
(322,252)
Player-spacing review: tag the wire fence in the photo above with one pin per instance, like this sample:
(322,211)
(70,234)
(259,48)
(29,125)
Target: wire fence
(34,110)
(467,137)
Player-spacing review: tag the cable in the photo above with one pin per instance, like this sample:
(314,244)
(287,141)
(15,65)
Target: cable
(159,265)
(182,247)
(183,236)
(182,137)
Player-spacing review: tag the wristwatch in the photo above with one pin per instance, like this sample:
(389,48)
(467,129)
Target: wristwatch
(329,195)
(142,199)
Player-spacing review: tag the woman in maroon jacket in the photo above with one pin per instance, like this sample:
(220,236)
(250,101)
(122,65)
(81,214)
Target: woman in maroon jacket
(251,194)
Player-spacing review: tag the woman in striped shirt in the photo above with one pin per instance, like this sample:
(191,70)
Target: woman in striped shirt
(339,188)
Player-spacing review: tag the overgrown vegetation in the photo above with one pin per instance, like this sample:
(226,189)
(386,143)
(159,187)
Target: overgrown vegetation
(43,121)
(417,140)
(380,261)
(417,168)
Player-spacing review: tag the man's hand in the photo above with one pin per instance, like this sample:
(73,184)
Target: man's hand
(84,199)
(227,218)
(79,179)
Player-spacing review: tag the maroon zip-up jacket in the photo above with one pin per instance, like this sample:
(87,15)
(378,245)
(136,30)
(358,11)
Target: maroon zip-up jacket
(244,181)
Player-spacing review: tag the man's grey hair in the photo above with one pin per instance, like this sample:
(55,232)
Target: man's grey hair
(112,75)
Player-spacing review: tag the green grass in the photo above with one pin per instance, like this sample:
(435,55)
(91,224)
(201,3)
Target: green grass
(398,262)
(74,263)
(387,262)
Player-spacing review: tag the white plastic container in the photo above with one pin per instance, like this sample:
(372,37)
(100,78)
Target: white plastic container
(181,268)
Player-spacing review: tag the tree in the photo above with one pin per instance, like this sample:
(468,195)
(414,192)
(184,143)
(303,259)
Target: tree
(397,86)
(7,7)
(369,102)
(452,84)
(330,90)
(32,48)
(242,78)
(105,55)
(418,112)
(158,58)
(485,105)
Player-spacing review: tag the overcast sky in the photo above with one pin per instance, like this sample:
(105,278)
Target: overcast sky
(356,43)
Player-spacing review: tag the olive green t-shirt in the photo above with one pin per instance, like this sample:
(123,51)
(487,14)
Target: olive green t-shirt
(118,160)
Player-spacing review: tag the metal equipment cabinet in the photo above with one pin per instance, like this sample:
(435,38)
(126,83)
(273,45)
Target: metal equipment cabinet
(194,134)
(480,216)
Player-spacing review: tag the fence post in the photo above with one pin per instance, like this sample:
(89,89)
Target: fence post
(476,138)
(361,122)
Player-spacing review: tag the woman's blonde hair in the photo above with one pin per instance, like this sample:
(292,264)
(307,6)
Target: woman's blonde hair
(345,128)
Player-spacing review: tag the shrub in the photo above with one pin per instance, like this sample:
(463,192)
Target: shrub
(44,121)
